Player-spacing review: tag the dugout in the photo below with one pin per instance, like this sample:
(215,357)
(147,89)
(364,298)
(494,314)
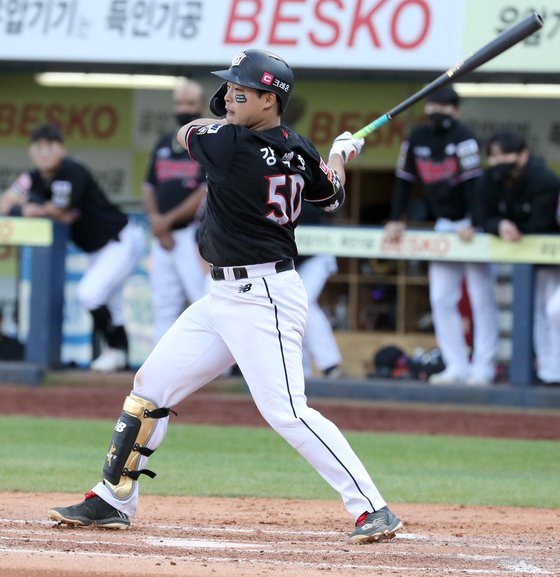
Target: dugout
(352,62)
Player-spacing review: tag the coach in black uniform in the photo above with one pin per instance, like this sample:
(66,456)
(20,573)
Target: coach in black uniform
(259,173)
(520,195)
(442,155)
(62,188)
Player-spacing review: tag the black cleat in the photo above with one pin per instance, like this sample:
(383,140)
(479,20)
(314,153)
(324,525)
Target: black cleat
(93,510)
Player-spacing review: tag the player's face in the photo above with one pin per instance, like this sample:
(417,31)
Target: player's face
(46,155)
(247,107)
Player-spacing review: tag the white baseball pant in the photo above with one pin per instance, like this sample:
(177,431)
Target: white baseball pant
(257,322)
(546,323)
(176,276)
(107,271)
(318,340)
(445,284)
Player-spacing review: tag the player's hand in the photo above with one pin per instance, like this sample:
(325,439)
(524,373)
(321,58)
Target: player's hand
(159,224)
(346,146)
(508,231)
(63,215)
(466,234)
(393,230)
(166,241)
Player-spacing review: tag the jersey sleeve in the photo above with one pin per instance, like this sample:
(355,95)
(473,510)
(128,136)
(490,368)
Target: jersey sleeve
(213,146)
(326,190)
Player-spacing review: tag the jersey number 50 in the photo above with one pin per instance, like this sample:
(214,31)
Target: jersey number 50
(284,197)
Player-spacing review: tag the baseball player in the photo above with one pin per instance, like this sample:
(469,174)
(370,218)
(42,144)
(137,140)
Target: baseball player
(259,173)
(174,189)
(520,195)
(319,343)
(62,188)
(443,156)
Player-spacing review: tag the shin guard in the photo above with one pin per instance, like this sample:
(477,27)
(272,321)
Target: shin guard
(132,431)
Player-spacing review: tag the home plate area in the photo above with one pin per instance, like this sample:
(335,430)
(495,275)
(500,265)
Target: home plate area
(260,537)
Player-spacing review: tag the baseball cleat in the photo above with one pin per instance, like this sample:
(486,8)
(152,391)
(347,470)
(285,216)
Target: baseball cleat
(109,361)
(93,510)
(377,526)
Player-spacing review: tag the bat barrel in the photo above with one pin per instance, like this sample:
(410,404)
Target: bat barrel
(500,44)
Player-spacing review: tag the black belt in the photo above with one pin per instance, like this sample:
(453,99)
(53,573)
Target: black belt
(254,270)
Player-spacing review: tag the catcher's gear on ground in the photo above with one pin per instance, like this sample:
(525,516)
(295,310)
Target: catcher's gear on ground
(132,431)
(346,146)
(259,69)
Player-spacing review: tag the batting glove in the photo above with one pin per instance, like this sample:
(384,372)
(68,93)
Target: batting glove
(346,146)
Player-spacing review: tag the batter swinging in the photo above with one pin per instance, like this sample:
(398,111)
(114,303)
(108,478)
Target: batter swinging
(259,173)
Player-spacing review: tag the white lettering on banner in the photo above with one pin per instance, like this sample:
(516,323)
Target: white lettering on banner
(363,34)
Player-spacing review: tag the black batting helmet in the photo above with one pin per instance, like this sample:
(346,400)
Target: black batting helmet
(259,69)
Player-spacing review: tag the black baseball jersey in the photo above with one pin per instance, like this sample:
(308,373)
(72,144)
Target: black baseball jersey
(445,163)
(257,181)
(173,175)
(99,222)
(531,202)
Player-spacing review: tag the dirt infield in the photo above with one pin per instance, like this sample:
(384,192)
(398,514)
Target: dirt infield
(213,537)
(210,537)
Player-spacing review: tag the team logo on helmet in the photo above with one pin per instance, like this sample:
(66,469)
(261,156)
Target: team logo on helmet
(238,59)
(267,78)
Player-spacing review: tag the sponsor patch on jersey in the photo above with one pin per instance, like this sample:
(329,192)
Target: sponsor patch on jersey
(467,147)
(163,152)
(470,161)
(331,174)
(209,129)
(422,151)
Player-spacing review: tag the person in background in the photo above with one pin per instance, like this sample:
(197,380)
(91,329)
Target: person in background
(442,156)
(174,192)
(62,188)
(520,196)
(319,343)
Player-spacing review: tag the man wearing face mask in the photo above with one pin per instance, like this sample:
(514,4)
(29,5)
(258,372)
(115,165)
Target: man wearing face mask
(520,196)
(174,191)
(442,158)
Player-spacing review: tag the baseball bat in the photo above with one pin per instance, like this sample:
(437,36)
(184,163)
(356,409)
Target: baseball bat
(501,43)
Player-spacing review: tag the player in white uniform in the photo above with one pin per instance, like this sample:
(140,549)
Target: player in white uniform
(319,344)
(443,156)
(174,190)
(259,173)
(62,188)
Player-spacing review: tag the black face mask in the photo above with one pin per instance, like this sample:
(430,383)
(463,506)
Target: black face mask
(503,171)
(441,122)
(183,118)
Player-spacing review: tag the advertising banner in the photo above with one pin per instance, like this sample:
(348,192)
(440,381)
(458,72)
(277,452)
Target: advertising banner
(347,34)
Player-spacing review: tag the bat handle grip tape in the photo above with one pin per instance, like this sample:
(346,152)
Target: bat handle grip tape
(377,123)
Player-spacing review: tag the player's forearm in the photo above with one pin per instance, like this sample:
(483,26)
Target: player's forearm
(187,209)
(337,164)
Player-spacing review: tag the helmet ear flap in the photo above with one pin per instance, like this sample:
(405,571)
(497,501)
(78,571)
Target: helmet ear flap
(217,102)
